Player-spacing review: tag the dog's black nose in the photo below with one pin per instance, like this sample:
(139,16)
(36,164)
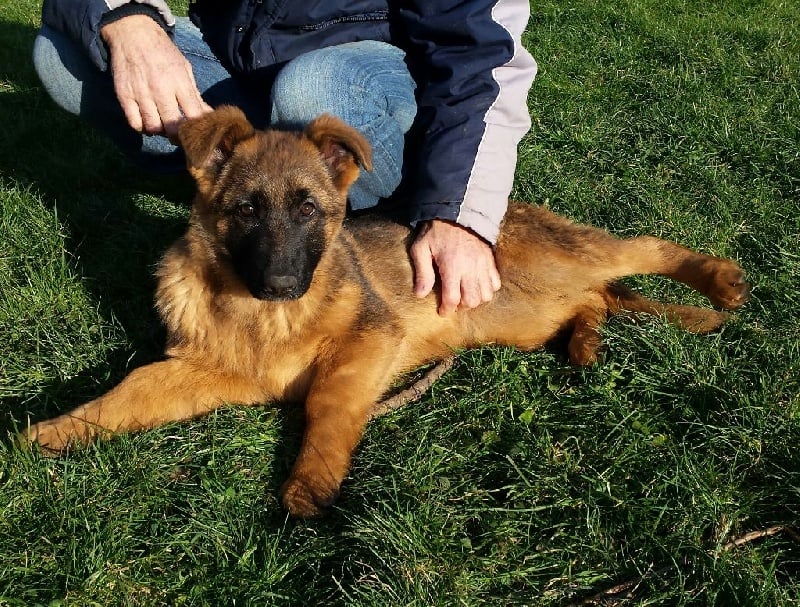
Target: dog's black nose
(281,286)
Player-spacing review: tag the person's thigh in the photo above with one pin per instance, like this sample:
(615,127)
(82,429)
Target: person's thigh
(79,87)
(366,84)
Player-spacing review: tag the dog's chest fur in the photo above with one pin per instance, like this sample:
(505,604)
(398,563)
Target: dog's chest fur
(210,314)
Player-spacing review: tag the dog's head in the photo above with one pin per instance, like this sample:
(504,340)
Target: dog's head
(271,201)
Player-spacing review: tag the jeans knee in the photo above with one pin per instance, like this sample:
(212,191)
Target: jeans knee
(55,61)
(355,81)
(366,84)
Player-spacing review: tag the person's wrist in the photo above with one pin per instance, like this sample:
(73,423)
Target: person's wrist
(448,223)
(119,21)
(132,9)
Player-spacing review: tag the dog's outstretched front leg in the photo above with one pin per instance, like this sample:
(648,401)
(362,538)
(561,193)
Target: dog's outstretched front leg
(337,410)
(152,395)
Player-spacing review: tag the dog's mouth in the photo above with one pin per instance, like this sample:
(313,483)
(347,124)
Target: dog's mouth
(266,295)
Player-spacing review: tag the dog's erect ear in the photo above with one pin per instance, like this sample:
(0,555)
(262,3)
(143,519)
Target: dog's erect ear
(209,140)
(343,149)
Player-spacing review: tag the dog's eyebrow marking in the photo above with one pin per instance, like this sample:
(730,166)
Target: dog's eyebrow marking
(302,193)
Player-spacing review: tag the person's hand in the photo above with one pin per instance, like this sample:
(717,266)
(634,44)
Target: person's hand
(465,263)
(152,79)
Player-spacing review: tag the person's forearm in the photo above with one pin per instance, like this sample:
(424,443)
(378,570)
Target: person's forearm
(472,112)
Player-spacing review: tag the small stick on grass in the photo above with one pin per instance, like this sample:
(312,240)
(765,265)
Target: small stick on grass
(615,594)
(755,535)
(414,391)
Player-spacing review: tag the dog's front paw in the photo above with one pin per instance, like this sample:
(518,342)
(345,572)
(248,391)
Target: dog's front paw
(307,497)
(57,436)
(728,288)
(52,437)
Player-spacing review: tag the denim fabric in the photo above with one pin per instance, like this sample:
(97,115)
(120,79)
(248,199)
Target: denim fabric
(365,83)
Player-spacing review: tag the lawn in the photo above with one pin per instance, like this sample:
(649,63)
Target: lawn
(668,474)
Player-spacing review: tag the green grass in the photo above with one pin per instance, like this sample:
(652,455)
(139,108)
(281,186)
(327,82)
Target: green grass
(517,480)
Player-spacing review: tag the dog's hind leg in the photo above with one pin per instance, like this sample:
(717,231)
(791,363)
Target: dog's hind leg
(620,298)
(721,280)
(585,341)
(152,395)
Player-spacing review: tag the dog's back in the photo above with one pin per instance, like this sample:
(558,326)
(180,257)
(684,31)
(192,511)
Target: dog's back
(554,272)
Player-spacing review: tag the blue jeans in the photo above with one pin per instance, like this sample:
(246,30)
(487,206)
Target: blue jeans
(365,83)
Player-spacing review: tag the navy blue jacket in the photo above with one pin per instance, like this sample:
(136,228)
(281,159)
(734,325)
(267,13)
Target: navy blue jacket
(471,69)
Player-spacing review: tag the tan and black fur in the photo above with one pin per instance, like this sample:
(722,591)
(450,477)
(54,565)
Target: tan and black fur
(273,295)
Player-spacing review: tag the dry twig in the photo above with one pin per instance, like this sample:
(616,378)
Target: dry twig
(751,536)
(622,591)
(626,590)
(414,391)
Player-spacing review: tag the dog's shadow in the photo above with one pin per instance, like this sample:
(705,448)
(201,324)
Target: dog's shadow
(118,224)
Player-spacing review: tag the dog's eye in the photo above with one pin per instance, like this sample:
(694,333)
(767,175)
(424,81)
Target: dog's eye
(307,208)
(245,209)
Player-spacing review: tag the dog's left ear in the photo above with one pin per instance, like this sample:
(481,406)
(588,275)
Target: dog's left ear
(343,149)
(209,140)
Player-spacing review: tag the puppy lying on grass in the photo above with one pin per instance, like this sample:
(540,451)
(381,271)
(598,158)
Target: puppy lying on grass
(273,295)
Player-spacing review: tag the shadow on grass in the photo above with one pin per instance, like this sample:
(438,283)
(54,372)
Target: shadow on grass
(119,220)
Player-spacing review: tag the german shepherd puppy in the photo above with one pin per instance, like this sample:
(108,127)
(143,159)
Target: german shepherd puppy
(273,295)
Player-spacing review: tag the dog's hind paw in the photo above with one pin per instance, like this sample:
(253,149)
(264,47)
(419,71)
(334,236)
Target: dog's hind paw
(728,288)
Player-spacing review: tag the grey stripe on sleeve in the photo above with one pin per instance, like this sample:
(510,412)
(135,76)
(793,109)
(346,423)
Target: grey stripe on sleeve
(507,121)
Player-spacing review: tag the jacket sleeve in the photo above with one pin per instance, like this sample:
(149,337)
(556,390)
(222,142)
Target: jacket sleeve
(473,77)
(81,20)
